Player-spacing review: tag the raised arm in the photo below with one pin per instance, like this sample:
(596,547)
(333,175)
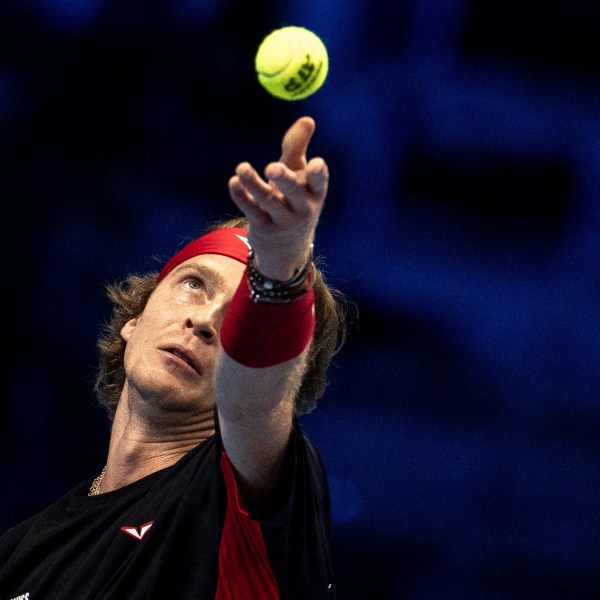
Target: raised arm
(256,404)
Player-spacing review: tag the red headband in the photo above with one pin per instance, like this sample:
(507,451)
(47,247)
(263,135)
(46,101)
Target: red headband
(228,241)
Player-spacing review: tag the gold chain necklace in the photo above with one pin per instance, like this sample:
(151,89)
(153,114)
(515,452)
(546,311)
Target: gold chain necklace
(97,484)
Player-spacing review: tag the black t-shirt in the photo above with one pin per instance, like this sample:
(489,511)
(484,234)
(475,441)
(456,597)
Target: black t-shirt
(177,533)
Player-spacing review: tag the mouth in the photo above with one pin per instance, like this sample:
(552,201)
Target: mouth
(185,356)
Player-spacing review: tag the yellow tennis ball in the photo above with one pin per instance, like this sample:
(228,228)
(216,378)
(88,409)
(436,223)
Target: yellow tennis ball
(291,63)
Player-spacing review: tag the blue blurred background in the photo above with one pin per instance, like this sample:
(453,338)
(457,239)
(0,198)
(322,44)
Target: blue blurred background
(461,423)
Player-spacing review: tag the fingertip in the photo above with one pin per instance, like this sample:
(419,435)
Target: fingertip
(318,167)
(236,188)
(318,174)
(243,169)
(308,125)
(317,164)
(274,170)
(307,119)
(233,182)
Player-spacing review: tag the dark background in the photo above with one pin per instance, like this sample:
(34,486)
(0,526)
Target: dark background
(461,424)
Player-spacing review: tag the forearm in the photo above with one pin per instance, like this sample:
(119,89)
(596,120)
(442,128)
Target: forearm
(259,371)
(256,410)
(255,394)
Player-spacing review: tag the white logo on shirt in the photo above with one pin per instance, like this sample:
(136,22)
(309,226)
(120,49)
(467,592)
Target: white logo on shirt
(21,597)
(137,532)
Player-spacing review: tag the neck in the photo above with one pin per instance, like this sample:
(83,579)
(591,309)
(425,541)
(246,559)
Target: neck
(138,447)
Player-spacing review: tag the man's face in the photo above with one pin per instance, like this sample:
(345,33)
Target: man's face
(172,346)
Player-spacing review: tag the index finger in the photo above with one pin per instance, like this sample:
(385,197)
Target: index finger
(294,145)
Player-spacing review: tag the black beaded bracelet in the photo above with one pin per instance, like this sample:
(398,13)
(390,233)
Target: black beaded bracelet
(275,291)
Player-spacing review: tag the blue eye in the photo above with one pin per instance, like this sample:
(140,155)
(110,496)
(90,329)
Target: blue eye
(195,283)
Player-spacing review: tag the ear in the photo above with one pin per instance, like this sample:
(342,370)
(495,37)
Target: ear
(128,328)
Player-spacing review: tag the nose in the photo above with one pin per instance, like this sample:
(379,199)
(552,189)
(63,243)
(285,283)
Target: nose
(205,331)
(205,322)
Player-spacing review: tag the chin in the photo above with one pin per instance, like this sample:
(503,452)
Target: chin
(159,396)
(183,401)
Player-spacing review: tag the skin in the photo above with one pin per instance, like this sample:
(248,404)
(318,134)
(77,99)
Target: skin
(176,369)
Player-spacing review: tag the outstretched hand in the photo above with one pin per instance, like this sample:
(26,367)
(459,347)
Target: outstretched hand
(283,208)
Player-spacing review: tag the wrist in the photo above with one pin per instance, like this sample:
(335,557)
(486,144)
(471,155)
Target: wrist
(277,291)
(281,267)
(264,334)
